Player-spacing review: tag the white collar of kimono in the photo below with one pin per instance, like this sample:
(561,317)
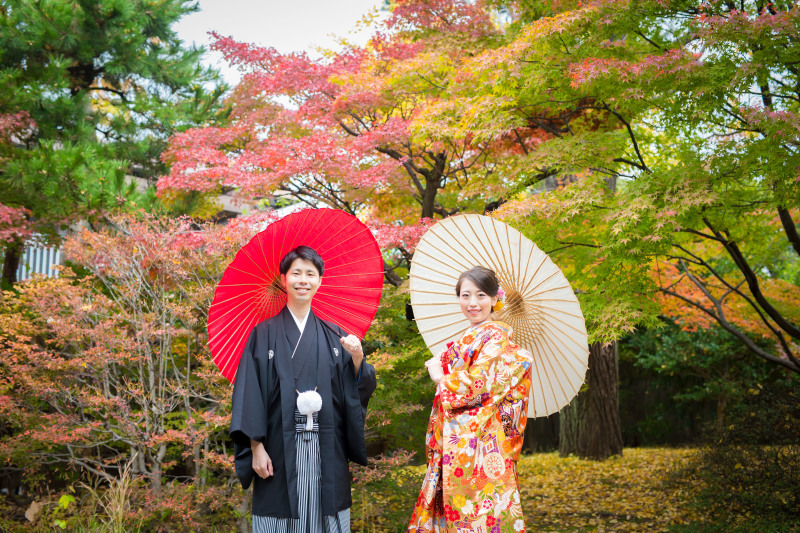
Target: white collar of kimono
(301,324)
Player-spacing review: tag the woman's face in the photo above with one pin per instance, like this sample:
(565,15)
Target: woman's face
(475,304)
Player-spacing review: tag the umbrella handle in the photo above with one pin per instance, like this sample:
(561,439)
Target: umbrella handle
(325,323)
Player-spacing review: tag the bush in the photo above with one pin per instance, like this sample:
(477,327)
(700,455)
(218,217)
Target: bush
(751,464)
(384,493)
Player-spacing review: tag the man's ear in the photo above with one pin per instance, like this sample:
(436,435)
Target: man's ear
(283,281)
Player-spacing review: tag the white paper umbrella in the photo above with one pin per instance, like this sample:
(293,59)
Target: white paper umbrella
(540,305)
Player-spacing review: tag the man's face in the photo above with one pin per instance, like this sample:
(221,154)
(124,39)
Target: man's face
(301,281)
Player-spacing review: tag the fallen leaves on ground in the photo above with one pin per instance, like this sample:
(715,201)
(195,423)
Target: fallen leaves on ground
(628,493)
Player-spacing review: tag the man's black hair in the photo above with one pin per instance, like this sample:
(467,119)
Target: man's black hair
(302,252)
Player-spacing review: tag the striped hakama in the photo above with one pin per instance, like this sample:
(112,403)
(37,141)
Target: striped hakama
(308,491)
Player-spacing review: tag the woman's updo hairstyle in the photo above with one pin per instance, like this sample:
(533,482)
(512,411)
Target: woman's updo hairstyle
(483,278)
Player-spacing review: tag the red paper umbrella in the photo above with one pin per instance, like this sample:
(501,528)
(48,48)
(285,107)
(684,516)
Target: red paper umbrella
(250,290)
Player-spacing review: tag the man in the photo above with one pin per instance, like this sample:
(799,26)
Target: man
(301,476)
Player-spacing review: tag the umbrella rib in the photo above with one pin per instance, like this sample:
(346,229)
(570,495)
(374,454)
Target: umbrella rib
(544,361)
(282,250)
(478,240)
(262,283)
(236,268)
(311,227)
(354,262)
(457,335)
(535,272)
(349,222)
(231,356)
(483,251)
(502,261)
(226,347)
(536,362)
(350,275)
(260,243)
(524,278)
(350,250)
(430,292)
(237,310)
(570,326)
(553,363)
(239,295)
(551,329)
(438,260)
(246,252)
(353,288)
(498,240)
(443,315)
(439,327)
(324,243)
(471,257)
(346,299)
(417,276)
(340,310)
(551,289)
(556,309)
(556,360)
(435,303)
(570,355)
(518,266)
(539,284)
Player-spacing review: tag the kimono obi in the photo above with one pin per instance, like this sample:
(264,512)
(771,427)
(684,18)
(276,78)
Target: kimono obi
(300,422)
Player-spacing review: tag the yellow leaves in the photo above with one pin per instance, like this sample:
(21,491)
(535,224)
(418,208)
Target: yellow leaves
(620,494)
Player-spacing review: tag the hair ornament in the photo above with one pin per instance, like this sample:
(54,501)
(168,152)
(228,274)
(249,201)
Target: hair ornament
(501,299)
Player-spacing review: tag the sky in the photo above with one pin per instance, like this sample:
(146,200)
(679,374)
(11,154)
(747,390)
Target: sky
(296,25)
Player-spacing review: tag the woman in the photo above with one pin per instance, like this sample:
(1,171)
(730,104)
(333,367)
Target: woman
(477,423)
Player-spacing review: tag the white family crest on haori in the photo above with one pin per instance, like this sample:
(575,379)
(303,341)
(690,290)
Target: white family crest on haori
(540,305)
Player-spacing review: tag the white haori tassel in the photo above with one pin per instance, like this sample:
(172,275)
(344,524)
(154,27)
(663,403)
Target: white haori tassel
(308,403)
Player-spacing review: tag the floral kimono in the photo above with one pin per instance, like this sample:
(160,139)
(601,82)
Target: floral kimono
(475,436)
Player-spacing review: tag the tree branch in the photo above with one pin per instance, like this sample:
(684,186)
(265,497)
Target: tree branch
(747,341)
(790,228)
(630,134)
(752,282)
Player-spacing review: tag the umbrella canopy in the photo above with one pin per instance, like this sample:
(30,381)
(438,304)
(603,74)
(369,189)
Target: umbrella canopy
(540,304)
(250,290)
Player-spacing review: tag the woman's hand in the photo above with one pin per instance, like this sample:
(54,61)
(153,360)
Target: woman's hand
(352,344)
(262,464)
(434,366)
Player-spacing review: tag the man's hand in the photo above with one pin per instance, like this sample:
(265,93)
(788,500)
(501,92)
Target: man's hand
(262,464)
(352,344)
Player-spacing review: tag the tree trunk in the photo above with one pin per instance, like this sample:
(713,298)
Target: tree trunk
(590,425)
(541,434)
(570,424)
(429,197)
(243,512)
(11,259)
(602,436)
